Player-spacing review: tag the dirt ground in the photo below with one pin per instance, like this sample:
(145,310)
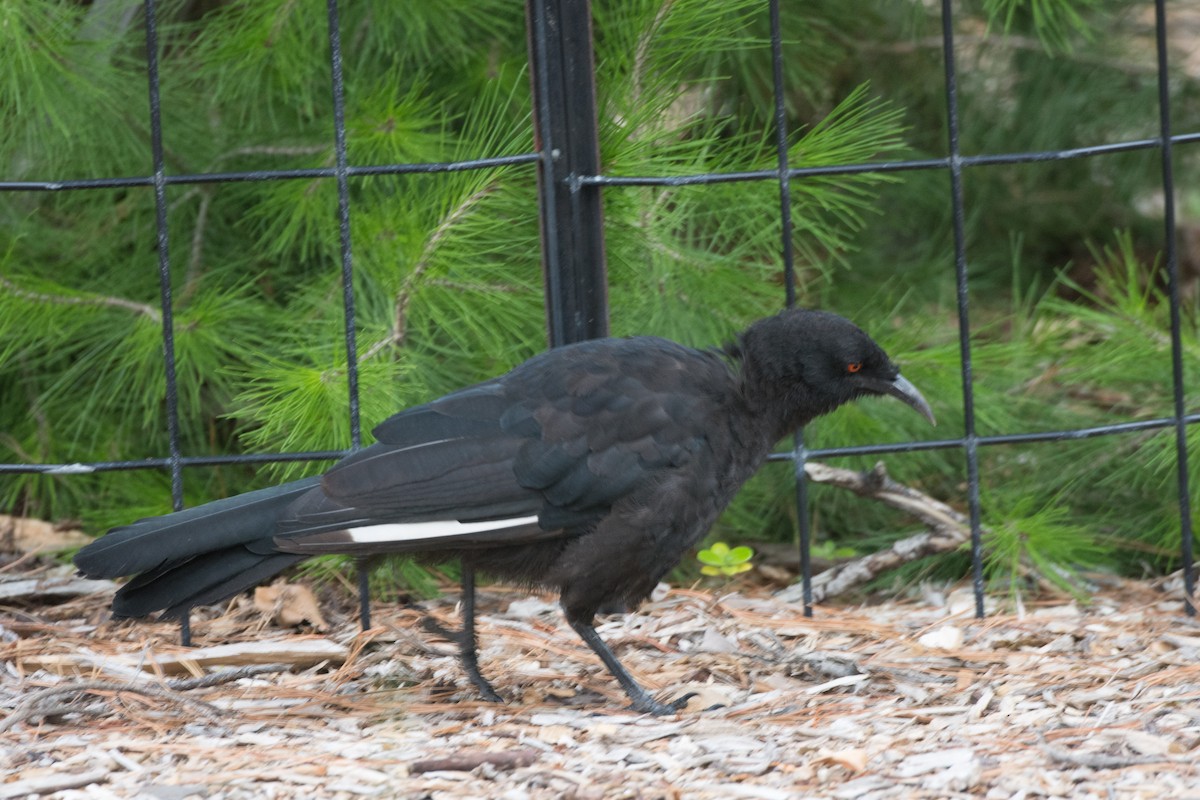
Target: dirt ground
(913,699)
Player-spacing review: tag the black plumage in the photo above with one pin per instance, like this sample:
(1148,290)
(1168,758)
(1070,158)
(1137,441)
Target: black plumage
(589,469)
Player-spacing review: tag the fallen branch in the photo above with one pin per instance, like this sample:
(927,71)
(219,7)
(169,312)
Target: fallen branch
(467,761)
(52,588)
(51,783)
(297,652)
(45,702)
(1105,761)
(948,530)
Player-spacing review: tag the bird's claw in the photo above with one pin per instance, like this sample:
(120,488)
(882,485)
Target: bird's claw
(492,697)
(680,703)
(482,684)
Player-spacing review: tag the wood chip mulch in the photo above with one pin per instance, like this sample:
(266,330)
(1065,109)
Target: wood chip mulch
(898,699)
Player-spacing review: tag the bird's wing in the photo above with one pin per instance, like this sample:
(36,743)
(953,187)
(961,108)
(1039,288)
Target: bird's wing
(549,447)
(440,474)
(451,458)
(628,411)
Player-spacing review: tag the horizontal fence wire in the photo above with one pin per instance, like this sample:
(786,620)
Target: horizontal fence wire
(306,173)
(1071,434)
(697,179)
(784,173)
(988,160)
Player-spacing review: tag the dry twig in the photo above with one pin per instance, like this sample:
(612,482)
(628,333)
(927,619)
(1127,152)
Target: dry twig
(948,530)
(225,676)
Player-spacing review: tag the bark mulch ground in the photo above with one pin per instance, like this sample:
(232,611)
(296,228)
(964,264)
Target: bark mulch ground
(894,699)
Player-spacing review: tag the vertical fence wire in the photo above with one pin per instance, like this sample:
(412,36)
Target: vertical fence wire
(781,142)
(343,189)
(970,440)
(164,257)
(1172,266)
(787,253)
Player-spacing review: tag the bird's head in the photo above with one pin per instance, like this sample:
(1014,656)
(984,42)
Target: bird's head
(807,363)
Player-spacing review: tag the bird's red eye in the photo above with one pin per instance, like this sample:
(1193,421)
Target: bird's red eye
(854,366)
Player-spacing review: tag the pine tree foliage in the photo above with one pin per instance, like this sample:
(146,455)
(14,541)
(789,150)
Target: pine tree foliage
(1070,320)
(446,268)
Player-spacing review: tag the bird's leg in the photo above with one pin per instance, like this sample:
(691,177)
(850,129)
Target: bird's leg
(185,628)
(642,701)
(364,592)
(466,643)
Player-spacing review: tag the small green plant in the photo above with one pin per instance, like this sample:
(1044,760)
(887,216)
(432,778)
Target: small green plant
(721,559)
(832,551)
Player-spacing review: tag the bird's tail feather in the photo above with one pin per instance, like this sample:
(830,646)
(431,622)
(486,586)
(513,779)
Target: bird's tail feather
(148,544)
(194,557)
(205,579)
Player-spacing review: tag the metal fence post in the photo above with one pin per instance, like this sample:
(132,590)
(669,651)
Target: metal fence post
(562,71)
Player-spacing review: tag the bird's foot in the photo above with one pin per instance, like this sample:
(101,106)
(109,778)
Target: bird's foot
(470,664)
(433,626)
(485,688)
(645,704)
(467,656)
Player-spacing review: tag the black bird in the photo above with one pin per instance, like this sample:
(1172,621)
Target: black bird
(589,469)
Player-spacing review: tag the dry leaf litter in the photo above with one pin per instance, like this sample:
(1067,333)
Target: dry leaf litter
(894,699)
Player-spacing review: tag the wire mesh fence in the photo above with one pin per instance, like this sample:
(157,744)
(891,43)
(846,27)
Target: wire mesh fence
(565,152)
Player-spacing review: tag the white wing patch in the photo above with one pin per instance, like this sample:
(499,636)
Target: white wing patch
(416,531)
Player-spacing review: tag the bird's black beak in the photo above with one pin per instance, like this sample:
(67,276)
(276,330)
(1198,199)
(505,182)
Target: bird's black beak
(904,391)
(901,389)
